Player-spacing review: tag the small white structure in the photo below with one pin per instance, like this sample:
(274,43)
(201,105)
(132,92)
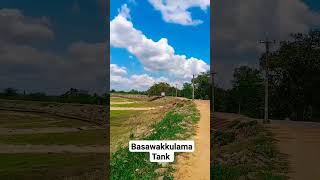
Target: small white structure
(163,94)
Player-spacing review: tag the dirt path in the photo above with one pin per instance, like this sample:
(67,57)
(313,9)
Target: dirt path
(301,141)
(196,165)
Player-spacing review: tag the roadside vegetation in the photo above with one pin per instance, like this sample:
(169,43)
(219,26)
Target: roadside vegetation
(177,124)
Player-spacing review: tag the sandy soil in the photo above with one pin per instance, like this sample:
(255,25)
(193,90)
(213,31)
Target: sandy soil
(7,148)
(191,166)
(301,141)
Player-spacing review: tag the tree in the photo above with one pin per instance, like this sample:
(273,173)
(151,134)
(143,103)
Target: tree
(248,90)
(202,86)
(187,90)
(156,89)
(295,77)
(10,92)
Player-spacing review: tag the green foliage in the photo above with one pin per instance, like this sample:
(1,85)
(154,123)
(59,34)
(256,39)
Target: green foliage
(202,86)
(295,77)
(245,96)
(10,92)
(187,90)
(71,96)
(248,90)
(294,83)
(156,89)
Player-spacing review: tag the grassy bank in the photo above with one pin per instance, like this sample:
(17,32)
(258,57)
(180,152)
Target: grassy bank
(246,150)
(177,124)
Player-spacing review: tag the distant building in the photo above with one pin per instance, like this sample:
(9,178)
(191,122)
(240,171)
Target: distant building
(163,94)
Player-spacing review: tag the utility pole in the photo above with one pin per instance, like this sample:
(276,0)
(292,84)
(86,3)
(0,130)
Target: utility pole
(192,87)
(267,43)
(176,90)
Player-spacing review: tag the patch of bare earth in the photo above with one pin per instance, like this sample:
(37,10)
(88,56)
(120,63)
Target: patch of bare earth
(196,165)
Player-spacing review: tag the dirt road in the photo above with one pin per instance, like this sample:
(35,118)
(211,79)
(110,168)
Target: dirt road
(301,141)
(196,165)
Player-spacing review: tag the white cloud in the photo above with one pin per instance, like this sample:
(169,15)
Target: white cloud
(155,56)
(176,11)
(124,11)
(137,82)
(116,70)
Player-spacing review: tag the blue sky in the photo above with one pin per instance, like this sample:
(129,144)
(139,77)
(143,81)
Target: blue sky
(191,40)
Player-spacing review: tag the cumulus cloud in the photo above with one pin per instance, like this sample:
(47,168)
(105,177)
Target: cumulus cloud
(16,27)
(238,25)
(136,81)
(116,70)
(23,65)
(176,11)
(26,67)
(155,56)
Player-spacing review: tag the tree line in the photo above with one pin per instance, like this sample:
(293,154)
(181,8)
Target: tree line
(73,95)
(201,88)
(294,83)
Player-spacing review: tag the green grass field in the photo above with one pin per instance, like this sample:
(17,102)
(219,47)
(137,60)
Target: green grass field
(81,138)
(30,128)
(50,166)
(119,99)
(21,120)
